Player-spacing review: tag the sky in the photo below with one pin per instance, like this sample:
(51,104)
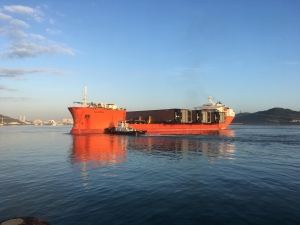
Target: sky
(148,54)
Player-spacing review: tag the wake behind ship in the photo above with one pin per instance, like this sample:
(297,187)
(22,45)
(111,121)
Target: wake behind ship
(95,118)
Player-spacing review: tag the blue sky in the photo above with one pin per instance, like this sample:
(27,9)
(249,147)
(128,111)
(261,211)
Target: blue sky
(148,54)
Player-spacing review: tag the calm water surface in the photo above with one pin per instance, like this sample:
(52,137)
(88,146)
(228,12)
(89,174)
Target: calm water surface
(245,175)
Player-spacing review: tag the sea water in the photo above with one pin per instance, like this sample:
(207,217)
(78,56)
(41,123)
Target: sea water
(244,175)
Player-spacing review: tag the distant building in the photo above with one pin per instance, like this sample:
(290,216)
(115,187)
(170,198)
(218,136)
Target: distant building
(22,119)
(37,122)
(13,123)
(68,121)
(50,122)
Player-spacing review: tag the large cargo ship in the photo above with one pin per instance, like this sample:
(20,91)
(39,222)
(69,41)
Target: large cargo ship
(95,118)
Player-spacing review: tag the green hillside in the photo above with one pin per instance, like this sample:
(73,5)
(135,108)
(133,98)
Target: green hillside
(271,116)
(7,120)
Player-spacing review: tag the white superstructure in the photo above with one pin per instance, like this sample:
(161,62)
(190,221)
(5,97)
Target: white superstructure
(123,127)
(214,112)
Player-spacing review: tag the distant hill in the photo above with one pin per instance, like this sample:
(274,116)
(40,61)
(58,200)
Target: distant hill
(241,114)
(7,120)
(271,116)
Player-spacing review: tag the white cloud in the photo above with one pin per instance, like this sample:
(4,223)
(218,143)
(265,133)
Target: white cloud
(3,87)
(20,23)
(5,17)
(21,44)
(25,10)
(11,21)
(53,31)
(29,49)
(12,72)
(37,36)
(12,33)
(19,9)
(13,27)
(14,99)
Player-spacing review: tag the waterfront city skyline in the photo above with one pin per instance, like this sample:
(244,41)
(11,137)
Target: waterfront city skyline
(144,55)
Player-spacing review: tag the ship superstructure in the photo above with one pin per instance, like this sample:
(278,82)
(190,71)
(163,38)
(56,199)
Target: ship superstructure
(213,112)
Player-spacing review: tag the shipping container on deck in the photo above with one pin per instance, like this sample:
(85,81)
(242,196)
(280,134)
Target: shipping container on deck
(160,116)
(205,116)
(196,116)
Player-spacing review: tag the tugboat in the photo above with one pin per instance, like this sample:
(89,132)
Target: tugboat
(124,129)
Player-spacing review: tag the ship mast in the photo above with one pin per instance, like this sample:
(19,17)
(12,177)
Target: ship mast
(84,97)
(210,100)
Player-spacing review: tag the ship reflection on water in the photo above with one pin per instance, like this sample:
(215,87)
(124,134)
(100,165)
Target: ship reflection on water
(93,151)
(96,151)
(102,150)
(209,144)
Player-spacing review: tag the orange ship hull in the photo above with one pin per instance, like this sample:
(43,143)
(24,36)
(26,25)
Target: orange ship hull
(88,120)
(192,128)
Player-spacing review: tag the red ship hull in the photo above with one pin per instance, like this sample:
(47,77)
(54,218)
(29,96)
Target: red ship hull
(88,120)
(192,128)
